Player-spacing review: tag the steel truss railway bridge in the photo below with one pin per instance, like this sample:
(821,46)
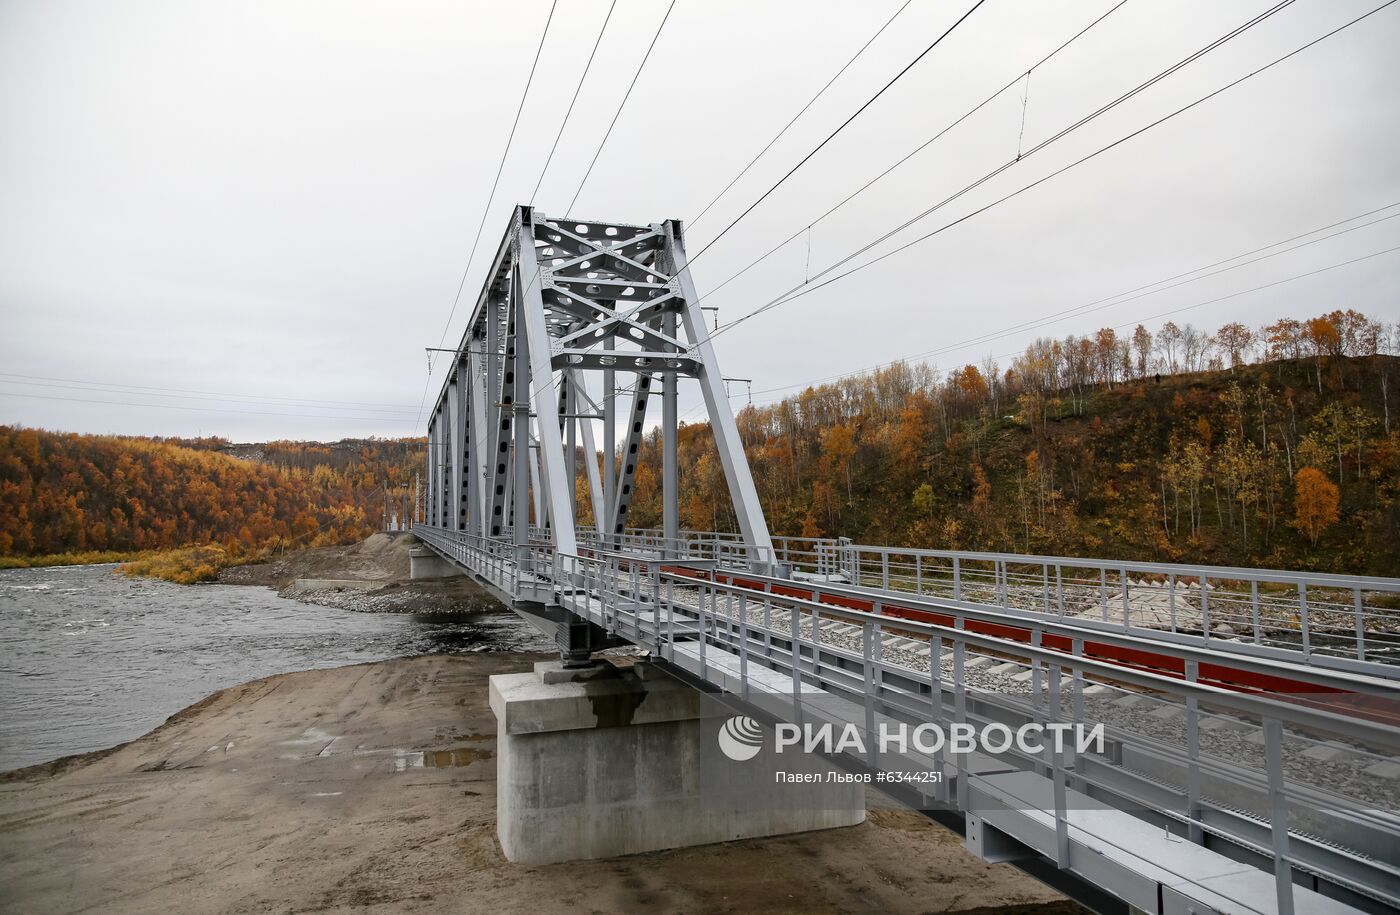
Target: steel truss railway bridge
(1251,719)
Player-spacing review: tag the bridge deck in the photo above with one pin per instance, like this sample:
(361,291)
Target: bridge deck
(1183,803)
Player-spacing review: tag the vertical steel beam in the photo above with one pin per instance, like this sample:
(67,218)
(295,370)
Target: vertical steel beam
(536,332)
(520,395)
(742,491)
(432,461)
(605,522)
(631,451)
(537,489)
(457,448)
(502,394)
(444,489)
(590,456)
(670,485)
(476,465)
(570,406)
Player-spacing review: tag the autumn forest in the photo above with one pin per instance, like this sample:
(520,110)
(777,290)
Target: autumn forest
(1270,446)
(91,494)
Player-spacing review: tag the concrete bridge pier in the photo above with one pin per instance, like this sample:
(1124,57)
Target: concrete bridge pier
(600,761)
(424,563)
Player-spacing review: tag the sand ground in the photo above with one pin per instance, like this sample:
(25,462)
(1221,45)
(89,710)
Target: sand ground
(372,789)
(381,559)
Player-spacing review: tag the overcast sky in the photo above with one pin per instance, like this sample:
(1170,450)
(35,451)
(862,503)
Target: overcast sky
(270,204)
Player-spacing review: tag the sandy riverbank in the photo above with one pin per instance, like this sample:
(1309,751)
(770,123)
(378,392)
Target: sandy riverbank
(372,788)
(381,561)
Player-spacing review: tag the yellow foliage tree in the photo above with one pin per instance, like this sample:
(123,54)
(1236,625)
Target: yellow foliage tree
(1317,502)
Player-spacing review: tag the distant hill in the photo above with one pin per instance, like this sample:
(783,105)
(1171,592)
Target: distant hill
(62,492)
(1271,447)
(1166,446)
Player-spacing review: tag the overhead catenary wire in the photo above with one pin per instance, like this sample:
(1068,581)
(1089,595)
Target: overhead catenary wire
(1163,314)
(166,406)
(628,94)
(577,89)
(243,397)
(1120,298)
(391,413)
(553,383)
(918,149)
(1064,132)
(691,260)
(799,291)
(793,120)
(486,210)
(844,124)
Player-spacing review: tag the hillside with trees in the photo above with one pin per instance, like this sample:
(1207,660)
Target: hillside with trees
(66,493)
(1267,447)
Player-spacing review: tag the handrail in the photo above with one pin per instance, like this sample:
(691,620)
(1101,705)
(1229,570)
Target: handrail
(628,592)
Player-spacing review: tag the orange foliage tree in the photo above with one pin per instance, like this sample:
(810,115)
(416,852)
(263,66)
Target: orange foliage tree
(1316,504)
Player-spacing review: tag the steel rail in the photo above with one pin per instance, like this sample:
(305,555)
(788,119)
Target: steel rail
(627,593)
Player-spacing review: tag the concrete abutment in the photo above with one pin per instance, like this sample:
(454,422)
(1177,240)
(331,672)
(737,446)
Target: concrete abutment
(602,761)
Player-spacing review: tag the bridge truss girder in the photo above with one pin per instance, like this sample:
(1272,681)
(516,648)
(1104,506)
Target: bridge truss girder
(565,300)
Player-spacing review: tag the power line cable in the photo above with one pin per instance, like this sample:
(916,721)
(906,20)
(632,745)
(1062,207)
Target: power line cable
(920,148)
(160,406)
(623,104)
(1113,300)
(244,398)
(798,291)
(577,89)
(819,146)
(486,210)
(779,135)
(101,390)
(1218,42)
(1214,301)
(553,383)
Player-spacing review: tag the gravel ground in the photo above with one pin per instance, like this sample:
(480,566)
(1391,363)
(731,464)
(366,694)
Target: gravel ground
(1152,605)
(381,560)
(456,594)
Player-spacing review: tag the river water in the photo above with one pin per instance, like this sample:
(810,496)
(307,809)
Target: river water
(90,658)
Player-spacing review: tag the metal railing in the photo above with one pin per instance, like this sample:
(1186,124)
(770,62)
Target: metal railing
(758,627)
(725,628)
(1343,621)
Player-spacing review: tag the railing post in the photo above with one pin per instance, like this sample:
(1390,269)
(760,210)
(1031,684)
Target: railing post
(1303,617)
(1058,774)
(868,657)
(1127,610)
(1193,754)
(1060,589)
(743,647)
(1256,610)
(1205,611)
(670,619)
(700,624)
(1278,815)
(796,633)
(935,668)
(1360,626)
(960,716)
